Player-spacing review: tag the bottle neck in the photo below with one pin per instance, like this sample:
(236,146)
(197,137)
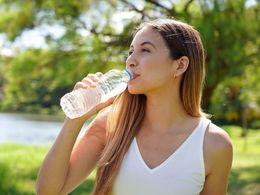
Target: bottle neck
(130,74)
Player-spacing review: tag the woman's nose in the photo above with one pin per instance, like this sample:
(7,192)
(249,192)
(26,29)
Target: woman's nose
(132,65)
(131,62)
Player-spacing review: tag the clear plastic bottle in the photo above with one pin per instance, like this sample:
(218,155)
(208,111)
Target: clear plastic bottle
(80,101)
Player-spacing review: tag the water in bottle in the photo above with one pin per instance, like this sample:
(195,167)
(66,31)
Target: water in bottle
(80,101)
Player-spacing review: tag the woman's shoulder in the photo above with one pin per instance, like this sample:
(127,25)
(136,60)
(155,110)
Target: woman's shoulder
(218,138)
(218,147)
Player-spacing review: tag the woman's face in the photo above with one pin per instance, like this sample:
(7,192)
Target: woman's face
(149,59)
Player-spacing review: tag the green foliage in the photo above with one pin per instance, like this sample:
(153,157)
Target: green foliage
(35,79)
(224,100)
(38,83)
(229,30)
(26,82)
(15,17)
(235,95)
(230,41)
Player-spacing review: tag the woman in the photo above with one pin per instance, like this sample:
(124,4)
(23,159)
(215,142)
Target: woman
(155,138)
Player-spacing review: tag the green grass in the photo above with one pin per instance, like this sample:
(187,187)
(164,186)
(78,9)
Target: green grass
(18,168)
(245,174)
(19,165)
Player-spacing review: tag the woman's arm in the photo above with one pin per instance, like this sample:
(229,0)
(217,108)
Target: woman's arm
(66,165)
(86,153)
(55,166)
(218,155)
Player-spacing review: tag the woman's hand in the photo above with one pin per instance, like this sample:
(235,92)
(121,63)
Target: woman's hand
(91,81)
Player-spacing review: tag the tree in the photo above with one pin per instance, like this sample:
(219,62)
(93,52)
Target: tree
(95,39)
(231,40)
(236,98)
(37,78)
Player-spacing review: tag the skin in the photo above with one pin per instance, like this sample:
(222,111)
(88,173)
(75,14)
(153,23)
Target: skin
(158,77)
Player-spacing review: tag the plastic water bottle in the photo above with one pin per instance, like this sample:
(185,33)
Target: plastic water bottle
(80,101)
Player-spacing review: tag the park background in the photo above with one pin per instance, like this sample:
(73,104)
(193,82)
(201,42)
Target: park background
(47,46)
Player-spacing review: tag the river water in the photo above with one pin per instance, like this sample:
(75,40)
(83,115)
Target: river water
(29,128)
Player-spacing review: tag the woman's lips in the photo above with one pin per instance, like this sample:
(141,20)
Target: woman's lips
(135,75)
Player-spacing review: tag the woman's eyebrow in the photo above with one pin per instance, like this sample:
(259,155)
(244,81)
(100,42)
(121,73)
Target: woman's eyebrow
(149,43)
(144,43)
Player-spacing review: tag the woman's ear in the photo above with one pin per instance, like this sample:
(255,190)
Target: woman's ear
(181,65)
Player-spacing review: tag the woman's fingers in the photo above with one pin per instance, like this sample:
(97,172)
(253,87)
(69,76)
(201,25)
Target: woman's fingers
(89,81)
(99,74)
(79,85)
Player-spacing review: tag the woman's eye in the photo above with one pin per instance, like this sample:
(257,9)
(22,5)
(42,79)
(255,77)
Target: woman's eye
(145,50)
(142,50)
(129,53)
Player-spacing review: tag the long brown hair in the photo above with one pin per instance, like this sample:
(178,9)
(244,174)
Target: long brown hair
(128,111)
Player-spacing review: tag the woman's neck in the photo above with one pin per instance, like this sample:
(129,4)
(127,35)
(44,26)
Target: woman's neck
(165,112)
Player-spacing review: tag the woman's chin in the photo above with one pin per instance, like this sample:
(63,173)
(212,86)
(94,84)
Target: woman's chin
(133,91)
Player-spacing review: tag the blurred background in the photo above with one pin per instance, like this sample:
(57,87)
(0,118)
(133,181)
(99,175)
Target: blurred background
(47,46)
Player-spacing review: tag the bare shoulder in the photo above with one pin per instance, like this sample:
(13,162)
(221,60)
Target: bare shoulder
(218,138)
(218,155)
(218,148)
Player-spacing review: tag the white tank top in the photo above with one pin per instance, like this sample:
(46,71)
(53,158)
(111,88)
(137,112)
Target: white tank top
(182,173)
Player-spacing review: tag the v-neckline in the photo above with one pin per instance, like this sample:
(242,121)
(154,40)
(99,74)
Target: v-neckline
(164,162)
